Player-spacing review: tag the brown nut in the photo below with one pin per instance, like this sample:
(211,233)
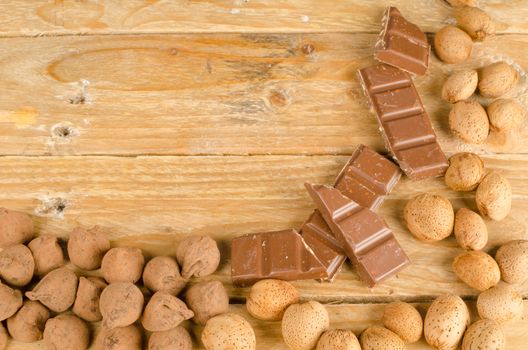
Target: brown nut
(470,230)
(429,217)
(15,227)
(460,86)
(501,303)
(66,332)
(174,339)
(123,264)
(475,22)
(404,320)
(497,79)
(465,171)
(484,334)
(228,331)
(56,290)
(86,304)
(303,324)
(164,311)
(477,269)
(162,273)
(121,338)
(17,265)
(198,256)
(376,337)
(207,299)
(86,248)
(338,339)
(47,253)
(494,196)
(4,338)
(10,301)
(120,304)
(505,115)
(28,323)
(268,299)
(452,45)
(468,121)
(513,261)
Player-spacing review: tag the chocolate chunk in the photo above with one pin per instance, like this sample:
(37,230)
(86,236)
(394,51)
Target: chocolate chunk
(403,121)
(402,44)
(364,235)
(281,255)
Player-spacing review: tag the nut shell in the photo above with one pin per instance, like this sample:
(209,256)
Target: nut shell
(494,196)
(228,331)
(123,264)
(404,320)
(445,322)
(27,325)
(501,303)
(497,79)
(512,259)
(198,256)
(470,230)
(47,253)
(477,269)
(484,334)
(475,22)
(164,311)
(17,265)
(429,217)
(66,332)
(303,324)
(505,115)
(206,300)
(121,338)
(162,273)
(10,301)
(465,171)
(376,337)
(175,339)
(86,248)
(468,121)
(268,299)
(121,304)
(56,290)
(15,227)
(460,86)
(338,339)
(452,45)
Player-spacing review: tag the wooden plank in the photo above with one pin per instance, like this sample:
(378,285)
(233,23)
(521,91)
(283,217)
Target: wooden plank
(152,202)
(210,94)
(46,17)
(345,316)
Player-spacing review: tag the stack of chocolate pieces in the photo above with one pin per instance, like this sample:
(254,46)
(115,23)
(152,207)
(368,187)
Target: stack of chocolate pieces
(345,223)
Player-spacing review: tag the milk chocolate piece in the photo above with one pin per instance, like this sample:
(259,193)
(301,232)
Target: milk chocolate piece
(281,255)
(403,121)
(365,236)
(402,44)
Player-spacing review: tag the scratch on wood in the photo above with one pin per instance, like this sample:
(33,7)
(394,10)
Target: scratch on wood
(53,207)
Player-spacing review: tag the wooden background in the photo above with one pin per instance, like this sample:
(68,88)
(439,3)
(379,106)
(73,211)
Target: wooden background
(161,119)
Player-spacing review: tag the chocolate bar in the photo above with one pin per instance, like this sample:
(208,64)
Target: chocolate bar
(366,179)
(403,121)
(365,236)
(281,255)
(402,44)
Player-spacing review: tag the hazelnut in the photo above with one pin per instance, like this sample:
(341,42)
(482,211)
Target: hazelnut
(86,248)
(207,299)
(56,290)
(121,304)
(66,332)
(198,256)
(47,253)
(86,304)
(17,265)
(28,323)
(162,273)
(123,264)
(15,227)
(164,311)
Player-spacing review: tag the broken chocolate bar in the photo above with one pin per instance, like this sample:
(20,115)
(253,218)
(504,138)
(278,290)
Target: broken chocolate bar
(403,121)
(402,44)
(281,254)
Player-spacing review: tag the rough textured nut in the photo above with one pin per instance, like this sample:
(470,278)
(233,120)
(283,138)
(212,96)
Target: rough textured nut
(475,22)
(175,339)
(445,322)
(10,301)
(86,304)
(470,230)
(56,290)
(497,79)
(164,311)
(228,331)
(338,339)
(122,338)
(123,264)
(477,269)
(198,256)
(512,259)
(86,248)
(162,273)
(429,217)
(121,305)
(15,227)
(494,196)
(484,334)
(505,115)
(3,337)
(47,253)
(460,3)
(460,86)
(303,324)
(17,265)
(268,299)
(376,337)
(452,45)
(66,332)
(501,303)
(468,121)
(207,299)
(465,171)
(404,320)
(28,323)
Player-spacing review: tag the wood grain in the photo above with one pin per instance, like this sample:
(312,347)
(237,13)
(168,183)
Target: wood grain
(60,17)
(153,202)
(211,94)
